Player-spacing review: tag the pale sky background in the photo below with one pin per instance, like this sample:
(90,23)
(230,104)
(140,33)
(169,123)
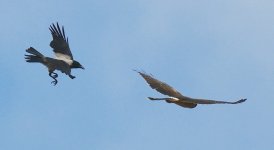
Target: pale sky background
(206,49)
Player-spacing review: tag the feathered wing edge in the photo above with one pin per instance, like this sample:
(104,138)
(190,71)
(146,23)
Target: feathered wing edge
(60,42)
(207,101)
(166,90)
(179,102)
(56,31)
(160,86)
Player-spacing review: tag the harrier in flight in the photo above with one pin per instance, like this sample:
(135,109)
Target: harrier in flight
(175,96)
(64,60)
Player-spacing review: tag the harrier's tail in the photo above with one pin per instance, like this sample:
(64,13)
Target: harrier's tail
(35,57)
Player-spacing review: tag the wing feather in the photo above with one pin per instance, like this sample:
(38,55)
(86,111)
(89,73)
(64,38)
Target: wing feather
(60,42)
(186,105)
(207,101)
(160,86)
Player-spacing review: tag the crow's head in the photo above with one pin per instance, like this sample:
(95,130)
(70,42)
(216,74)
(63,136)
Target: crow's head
(76,64)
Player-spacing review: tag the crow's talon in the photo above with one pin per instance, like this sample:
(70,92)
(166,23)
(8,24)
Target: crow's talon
(71,76)
(55,75)
(54,82)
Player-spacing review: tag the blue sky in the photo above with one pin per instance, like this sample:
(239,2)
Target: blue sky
(209,49)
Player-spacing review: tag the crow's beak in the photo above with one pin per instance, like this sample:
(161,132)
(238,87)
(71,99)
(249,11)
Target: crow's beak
(82,67)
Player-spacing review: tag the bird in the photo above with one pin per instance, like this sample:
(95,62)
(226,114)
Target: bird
(175,96)
(63,61)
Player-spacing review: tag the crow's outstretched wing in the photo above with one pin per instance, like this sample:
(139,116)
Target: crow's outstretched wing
(60,42)
(161,86)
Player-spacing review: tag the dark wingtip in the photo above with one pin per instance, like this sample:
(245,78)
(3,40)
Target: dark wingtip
(28,49)
(240,101)
(150,98)
(135,70)
(140,72)
(28,56)
(243,100)
(57,24)
(52,25)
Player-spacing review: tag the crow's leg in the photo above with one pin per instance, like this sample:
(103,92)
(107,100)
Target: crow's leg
(71,76)
(53,76)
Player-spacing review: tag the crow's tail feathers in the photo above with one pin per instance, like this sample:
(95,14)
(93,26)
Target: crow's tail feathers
(33,51)
(35,57)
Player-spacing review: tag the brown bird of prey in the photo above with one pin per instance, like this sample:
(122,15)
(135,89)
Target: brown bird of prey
(175,96)
(64,60)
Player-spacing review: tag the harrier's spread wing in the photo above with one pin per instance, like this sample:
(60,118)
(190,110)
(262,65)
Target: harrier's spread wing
(60,42)
(191,102)
(186,105)
(160,86)
(207,101)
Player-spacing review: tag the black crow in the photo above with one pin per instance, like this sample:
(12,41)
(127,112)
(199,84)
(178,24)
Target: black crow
(175,96)
(64,60)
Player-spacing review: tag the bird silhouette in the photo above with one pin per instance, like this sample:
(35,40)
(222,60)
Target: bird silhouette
(175,96)
(64,60)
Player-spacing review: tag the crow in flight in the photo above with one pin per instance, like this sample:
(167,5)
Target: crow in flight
(175,96)
(64,60)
